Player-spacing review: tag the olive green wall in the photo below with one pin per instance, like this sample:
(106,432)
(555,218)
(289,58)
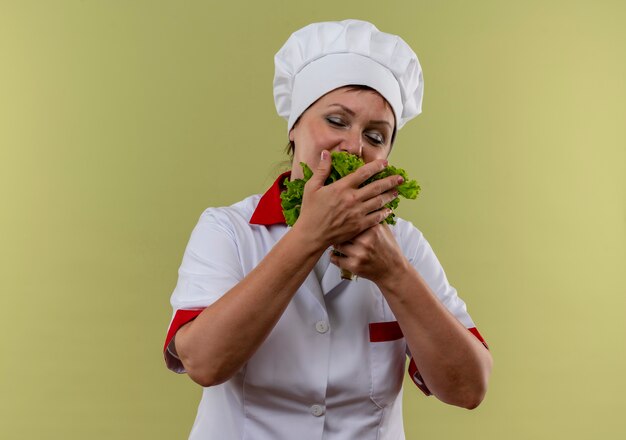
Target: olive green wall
(120,121)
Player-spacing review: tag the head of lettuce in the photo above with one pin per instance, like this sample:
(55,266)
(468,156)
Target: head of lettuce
(343,164)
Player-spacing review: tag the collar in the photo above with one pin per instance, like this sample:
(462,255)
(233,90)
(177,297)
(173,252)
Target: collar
(269,210)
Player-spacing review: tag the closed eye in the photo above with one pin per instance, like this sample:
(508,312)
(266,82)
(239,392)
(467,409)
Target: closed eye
(338,122)
(375,138)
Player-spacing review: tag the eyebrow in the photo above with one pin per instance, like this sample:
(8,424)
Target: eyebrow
(351,113)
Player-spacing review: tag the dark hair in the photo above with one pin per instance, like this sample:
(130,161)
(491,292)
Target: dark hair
(291,146)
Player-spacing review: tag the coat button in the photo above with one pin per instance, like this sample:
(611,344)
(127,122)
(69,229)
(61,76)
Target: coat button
(321,326)
(318,410)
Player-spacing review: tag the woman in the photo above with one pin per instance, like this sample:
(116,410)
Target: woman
(262,319)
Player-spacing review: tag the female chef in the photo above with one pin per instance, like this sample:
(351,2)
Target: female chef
(282,345)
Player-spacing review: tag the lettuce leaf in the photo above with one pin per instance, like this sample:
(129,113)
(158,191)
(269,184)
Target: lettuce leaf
(343,164)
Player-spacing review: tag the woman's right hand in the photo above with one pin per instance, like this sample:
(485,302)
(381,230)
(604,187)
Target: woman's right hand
(340,211)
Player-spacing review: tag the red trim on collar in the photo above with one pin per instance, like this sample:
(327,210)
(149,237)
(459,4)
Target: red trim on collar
(269,211)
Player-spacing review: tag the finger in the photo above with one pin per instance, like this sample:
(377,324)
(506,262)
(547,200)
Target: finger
(335,260)
(336,252)
(340,262)
(375,217)
(375,203)
(378,187)
(322,171)
(363,173)
(339,248)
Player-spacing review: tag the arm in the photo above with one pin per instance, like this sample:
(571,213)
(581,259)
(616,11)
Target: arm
(458,374)
(454,364)
(244,316)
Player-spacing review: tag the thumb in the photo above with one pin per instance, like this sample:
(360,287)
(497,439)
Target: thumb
(322,171)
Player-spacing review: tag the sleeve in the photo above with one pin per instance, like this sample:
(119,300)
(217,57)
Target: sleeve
(422,257)
(211,266)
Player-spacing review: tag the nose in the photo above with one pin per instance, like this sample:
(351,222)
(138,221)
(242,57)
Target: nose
(353,144)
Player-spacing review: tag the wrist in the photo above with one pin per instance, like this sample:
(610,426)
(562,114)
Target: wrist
(389,281)
(307,241)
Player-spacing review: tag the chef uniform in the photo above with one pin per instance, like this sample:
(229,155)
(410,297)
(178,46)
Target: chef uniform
(333,365)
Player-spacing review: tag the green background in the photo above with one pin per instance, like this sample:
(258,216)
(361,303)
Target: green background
(121,121)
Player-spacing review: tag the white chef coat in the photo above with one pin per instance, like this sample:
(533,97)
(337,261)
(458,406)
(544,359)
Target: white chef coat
(332,367)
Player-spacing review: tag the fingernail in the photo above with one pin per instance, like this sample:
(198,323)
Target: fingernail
(385,162)
(395,194)
(400,180)
(324,155)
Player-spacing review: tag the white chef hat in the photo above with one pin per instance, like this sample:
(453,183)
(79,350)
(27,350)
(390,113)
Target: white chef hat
(321,57)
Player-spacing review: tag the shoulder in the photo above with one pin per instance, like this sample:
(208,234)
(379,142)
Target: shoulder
(404,228)
(227,216)
(414,244)
(407,235)
(224,222)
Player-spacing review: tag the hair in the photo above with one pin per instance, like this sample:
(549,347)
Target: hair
(291,146)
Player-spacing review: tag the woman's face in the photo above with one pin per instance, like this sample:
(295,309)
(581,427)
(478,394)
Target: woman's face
(354,120)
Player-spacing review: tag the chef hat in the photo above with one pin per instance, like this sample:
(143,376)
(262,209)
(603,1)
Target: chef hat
(321,57)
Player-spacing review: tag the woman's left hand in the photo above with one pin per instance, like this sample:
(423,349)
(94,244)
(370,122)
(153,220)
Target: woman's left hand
(454,364)
(374,254)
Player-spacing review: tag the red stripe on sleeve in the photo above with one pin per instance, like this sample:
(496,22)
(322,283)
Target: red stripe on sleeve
(181,318)
(416,377)
(476,333)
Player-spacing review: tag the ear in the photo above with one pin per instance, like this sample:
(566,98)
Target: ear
(291,134)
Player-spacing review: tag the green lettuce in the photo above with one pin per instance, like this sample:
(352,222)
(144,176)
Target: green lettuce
(343,164)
